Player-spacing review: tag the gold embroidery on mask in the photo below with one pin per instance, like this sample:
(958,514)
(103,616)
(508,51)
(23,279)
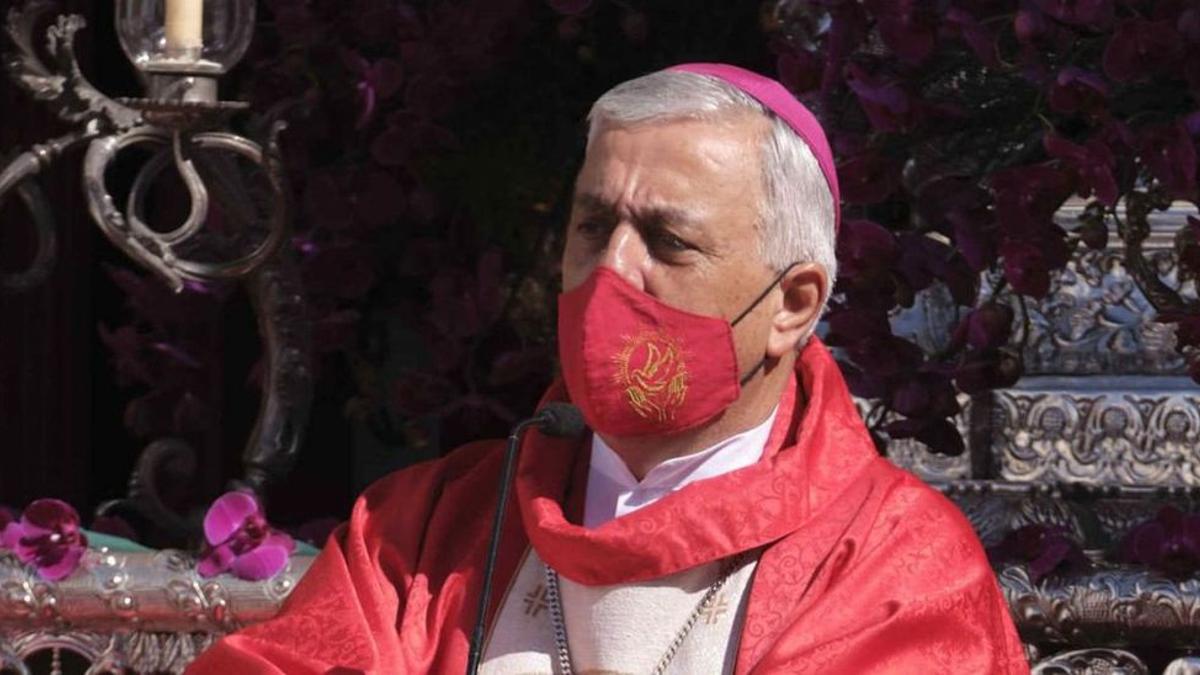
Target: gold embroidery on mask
(651,369)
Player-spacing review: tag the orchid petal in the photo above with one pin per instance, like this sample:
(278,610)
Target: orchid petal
(265,561)
(10,537)
(215,561)
(64,564)
(50,515)
(227,514)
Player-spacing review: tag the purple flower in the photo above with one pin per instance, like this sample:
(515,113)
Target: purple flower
(1043,548)
(1092,162)
(1192,123)
(959,207)
(1188,25)
(1187,327)
(847,29)
(1169,543)
(925,395)
(865,248)
(1077,90)
(1141,48)
(862,384)
(1026,197)
(1187,245)
(376,82)
(939,435)
(1170,154)
(868,178)
(48,537)
(239,539)
(7,515)
(327,200)
(409,136)
(850,325)
(1096,14)
(978,37)
(799,70)
(339,270)
(886,356)
(379,199)
(984,371)
(975,239)
(907,27)
(1028,263)
(924,260)
(1037,33)
(889,107)
(986,327)
(128,347)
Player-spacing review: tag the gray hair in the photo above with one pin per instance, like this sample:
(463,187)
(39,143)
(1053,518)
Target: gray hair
(796,224)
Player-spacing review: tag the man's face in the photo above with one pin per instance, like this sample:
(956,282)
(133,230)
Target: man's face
(672,207)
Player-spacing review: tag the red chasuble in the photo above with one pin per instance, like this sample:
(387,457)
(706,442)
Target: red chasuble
(862,568)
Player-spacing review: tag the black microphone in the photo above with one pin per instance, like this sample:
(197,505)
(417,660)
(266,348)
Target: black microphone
(559,419)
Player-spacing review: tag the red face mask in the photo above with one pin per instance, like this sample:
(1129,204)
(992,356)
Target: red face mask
(637,367)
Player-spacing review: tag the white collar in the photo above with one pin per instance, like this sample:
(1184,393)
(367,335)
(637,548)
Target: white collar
(613,491)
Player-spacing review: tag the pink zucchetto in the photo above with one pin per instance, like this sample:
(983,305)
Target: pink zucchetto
(776,98)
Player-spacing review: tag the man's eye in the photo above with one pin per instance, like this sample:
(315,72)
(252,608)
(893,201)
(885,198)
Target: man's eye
(669,242)
(590,228)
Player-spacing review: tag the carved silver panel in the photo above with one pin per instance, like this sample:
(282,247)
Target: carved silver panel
(133,651)
(1114,432)
(994,513)
(158,592)
(1109,607)
(1094,321)
(137,612)
(1092,662)
(1097,321)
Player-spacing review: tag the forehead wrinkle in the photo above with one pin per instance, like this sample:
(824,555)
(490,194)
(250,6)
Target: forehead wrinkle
(659,215)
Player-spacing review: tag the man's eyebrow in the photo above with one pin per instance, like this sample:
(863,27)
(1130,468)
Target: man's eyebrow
(653,215)
(593,202)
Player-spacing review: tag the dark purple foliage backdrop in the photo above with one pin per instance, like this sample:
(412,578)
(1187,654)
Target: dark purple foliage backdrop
(430,148)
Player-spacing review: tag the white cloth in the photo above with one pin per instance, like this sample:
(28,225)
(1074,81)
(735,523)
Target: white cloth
(613,491)
(628,627)
(619,629)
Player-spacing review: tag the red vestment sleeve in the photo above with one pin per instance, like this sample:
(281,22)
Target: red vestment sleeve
(906,589)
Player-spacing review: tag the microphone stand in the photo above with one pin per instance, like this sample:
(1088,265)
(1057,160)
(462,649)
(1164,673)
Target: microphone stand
(506,475)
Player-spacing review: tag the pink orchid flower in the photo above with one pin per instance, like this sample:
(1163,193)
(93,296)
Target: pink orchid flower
(238,539)
(48,537)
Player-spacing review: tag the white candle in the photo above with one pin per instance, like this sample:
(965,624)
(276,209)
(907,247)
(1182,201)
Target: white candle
(185,24)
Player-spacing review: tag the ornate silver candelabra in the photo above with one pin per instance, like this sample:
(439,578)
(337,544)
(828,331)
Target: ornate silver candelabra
(180,49)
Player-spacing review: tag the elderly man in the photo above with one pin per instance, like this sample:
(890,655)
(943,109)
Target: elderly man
(728,512)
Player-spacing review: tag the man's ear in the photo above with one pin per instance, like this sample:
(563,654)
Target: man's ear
(805,287)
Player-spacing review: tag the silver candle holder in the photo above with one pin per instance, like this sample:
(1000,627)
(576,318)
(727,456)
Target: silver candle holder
(180,49)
